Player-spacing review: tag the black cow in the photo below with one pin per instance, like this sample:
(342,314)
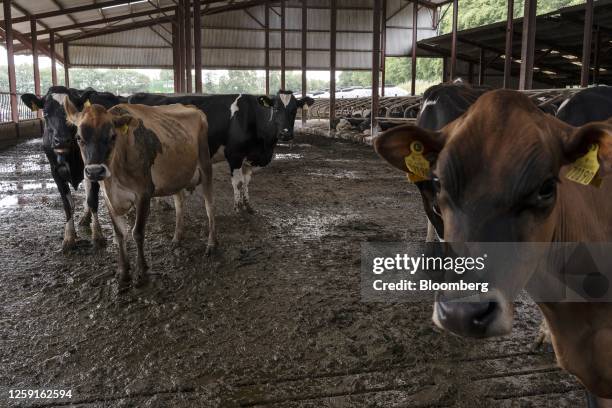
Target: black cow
(243,129)
(64,156)
(588,105)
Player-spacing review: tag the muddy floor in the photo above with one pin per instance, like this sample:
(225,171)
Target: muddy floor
(272,319)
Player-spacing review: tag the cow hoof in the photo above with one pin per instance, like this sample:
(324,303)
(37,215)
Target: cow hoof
(176,242)
(249,209)
(68,245)
(210,249)
(140,280)
(85,221)
(99,242)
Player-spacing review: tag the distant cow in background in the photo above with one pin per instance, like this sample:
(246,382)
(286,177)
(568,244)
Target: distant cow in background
(61,149)
(243,130)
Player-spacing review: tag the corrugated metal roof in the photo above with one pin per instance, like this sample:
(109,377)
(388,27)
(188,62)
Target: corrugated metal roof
(230,39)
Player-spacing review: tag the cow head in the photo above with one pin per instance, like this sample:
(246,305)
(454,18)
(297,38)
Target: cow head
(284,108)
(97,131)
(496,172)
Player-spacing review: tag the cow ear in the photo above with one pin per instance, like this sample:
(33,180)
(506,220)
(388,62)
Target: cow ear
(73,115)
(305,102)
(410,149)
(265,101)
(124,122)
(588,150)
(32,101)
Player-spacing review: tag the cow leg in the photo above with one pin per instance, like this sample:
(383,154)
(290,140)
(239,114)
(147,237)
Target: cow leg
(68,204)
(238,185)
(143,205)
(92,204)
(247,171)
(120,235)
(207,190)
(596,402)
(432,235)
(86,218)
(179,200)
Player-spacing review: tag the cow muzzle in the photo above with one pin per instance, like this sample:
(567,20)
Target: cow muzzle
(286,135)
(489,317)
(97,172)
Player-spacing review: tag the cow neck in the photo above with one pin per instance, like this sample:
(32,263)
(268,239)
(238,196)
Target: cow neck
(266,128)
(123,159)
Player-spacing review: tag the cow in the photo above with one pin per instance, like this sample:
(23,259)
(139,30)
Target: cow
(588,105)
(499,174)
(243,130)
(137,152)
(60,147)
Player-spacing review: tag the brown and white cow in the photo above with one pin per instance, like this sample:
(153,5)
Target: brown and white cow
(137,152)
(499,176)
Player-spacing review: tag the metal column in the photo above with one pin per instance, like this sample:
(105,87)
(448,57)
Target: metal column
(304,54)
(197,45)
(453,62)
(282,41)
(415,23)
(8,36)
(375,62)
(332,63)
(528,44)
(586,43)
(509,38)
(53,62)
(66,65)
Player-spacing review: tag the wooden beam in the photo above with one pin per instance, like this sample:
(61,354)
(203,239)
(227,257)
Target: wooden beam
(415,21)
(482,67)
(528,45)
(188,51)
(597,56)
(282,41)
(383,50)
(66,64)
(197,44)
(175,58)
(509,38)
(181,48)
(35,67)
(587,44)
(53,57)
(453,62)
(375,63)
(332,63)
(8,36)
(267,46)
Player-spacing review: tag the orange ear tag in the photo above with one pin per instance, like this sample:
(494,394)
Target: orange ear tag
(417,164)
(584,170)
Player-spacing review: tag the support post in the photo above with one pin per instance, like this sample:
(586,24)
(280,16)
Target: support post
(267,46)
(509,38)
(332,64)
(597,57)
(66,65)
(482,67)
(197,44)
(188,60)
(35,67)
(282,40)
(304,54)
(53,62)
(415,23)
(453,62)
(383,47)
(528,44)
(181,44)
(445,69)
(587,43)
(375,63)
(8,36)
(175,57)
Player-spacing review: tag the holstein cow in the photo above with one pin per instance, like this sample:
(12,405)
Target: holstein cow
(499,174)
(243,130)
(60,147)
(137,152)
(588,105)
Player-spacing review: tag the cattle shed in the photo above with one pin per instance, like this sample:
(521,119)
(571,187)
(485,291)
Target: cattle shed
(276,317)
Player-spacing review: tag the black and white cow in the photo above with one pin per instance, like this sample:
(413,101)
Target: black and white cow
(242,129)
(64,156)
(589,105)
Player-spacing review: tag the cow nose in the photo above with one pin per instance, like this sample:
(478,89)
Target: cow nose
(286,135)
(467,318)
(95,172)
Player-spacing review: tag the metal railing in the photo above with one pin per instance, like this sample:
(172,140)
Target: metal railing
(24,112)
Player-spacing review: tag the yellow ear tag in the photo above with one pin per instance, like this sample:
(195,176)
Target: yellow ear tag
(124,129)
(584,170)
(34,107)
(417,165)
(87,104)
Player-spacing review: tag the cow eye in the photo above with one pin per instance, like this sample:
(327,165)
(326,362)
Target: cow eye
(547,190)
(436,183)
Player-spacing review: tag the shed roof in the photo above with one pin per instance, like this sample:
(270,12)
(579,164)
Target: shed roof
(558,48)
(122,33)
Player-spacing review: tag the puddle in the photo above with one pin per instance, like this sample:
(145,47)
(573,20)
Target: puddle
(18,200)
(339,174)
(316,226)
(24,164)
(287,156)
(26,185)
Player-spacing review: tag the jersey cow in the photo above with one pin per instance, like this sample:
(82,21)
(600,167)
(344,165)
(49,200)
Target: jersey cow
(498,174)
(138,152)
(243,130)
(60,147)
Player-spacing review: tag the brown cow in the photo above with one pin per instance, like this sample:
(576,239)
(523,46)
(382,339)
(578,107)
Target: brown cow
(499,175)
(137,152)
